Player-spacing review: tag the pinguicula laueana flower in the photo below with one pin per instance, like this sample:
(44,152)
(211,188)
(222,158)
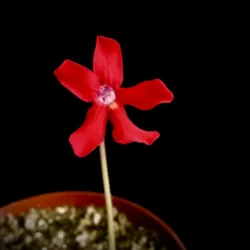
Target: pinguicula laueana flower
(103,88)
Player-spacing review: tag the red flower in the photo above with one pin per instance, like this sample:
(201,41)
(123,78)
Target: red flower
(102,87)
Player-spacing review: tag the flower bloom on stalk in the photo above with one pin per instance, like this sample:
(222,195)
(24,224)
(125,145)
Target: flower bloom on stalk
(102,87)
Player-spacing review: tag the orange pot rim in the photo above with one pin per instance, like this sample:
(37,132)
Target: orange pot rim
(101,195)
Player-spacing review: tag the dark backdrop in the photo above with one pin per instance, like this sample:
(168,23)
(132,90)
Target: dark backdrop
(39,114)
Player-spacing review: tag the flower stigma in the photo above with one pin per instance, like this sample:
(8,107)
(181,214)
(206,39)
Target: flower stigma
(106,96)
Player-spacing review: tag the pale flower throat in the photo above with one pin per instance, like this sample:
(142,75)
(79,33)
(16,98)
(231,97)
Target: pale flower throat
(106,95)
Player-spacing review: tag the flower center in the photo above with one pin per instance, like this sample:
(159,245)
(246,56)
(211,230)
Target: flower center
(106,95)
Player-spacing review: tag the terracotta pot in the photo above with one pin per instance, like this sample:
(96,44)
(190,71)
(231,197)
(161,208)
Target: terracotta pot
(136,214)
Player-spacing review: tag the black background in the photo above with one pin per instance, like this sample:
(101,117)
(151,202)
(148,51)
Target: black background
(40,114)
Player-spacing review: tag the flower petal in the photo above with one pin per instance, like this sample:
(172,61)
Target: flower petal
(79,80)
(145,95)
(107,62)
(90,135)
(126,132)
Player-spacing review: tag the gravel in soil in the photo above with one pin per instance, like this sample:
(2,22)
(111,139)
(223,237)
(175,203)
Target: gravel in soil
(71,228)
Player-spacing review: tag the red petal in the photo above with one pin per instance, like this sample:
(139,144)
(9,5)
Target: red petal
(90,135)
(145,95)
(125,131)
(79,80)
(107,62)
